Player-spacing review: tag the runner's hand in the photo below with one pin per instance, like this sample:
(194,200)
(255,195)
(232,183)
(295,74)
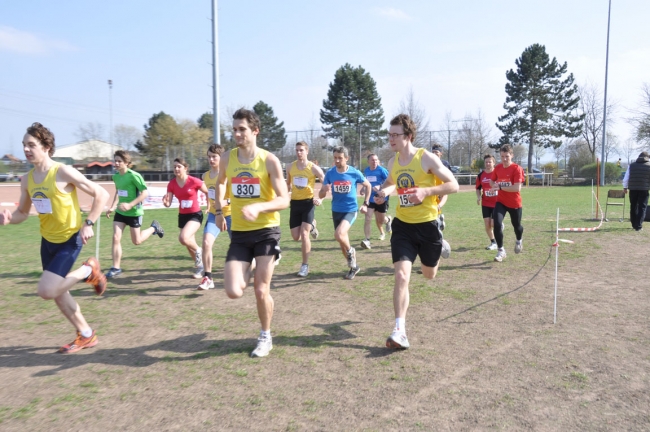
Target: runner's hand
(417,196)
(108,213)
(5,217)
(317,201)
(380,197)
(86,233)
(125,207)
(250,212)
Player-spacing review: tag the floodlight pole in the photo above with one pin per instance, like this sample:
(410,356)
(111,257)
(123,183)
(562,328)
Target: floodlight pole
(602,158)
(110,114)
(215,76)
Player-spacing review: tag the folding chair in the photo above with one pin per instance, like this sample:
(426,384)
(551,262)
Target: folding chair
(615,195)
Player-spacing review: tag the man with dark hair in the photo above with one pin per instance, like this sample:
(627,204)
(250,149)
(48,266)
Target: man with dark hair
(637,181)
(506,180)
(437,150)
(253,177)
(52,188)
(420,178)
(342,181)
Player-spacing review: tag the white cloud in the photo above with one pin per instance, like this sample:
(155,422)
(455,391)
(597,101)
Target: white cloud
(23,42)
(394,14)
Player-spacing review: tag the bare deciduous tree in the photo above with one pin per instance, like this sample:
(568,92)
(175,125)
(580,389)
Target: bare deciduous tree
(90,131)
(409,105)
(126,136)
(641,118)
(591,105)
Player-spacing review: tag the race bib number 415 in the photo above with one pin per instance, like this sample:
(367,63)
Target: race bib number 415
(245,187)
(342,187)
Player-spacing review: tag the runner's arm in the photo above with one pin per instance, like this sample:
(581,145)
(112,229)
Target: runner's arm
(138,200)
(220,191)
(318,172)
(100,195)
(112,207)
(387,187)
(22,212)
(433,165)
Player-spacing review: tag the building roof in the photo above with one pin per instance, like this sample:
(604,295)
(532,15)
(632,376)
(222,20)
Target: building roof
(89,149)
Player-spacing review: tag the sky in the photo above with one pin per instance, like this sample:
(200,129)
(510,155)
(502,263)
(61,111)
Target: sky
(56,57)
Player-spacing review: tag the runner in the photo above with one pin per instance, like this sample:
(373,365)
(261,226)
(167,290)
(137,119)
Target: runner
(506,179)
(190,217)
(376,175)
(130,193)
(487,198)
(344,180)
(437,149)
(52,188)
(415,172)
(258,193)
(211,230)
(301,177)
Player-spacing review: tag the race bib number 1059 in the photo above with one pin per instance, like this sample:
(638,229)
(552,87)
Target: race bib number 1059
(245,187)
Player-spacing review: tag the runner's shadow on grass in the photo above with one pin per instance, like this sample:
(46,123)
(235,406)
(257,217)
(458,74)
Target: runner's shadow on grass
(31,275)
(485,265)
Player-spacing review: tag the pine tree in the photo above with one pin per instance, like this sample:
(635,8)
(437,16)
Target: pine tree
(353,106)
(539,103)
(272,135)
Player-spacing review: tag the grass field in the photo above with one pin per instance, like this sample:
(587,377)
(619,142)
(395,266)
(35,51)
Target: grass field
(485,354)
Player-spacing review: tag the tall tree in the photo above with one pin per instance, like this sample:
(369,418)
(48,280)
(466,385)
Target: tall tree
(353,107)
(539,102)
(163,138)
(641,118)
(591,106)
(90,131)
(272,136)
(126,136)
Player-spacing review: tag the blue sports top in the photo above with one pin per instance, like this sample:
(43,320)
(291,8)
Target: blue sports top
(376,177)
(344,188)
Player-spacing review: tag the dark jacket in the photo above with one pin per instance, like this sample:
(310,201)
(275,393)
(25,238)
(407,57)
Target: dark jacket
(639,175)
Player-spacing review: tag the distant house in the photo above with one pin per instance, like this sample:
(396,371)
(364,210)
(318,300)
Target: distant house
(92,150)
(11,160)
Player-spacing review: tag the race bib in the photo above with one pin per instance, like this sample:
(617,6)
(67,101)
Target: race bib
(122,193)
(490,193)
(43,205)
(403,196)
(245,187)
(504,183)
(372,179)
(186,203)
(300,181)
(342,187)
(211,194)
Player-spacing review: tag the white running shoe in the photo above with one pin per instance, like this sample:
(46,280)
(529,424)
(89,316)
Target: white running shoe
(446,249)
(365,243)
(388,222)
(206,284)
(352,258)
(314,230)
(198,258)
(382,237)
(264,346)
(198,273)
(501,254)
(304,270)
(492,246)
(397,340)
(519,246)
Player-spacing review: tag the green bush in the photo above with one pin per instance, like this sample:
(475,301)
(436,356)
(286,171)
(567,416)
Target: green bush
(612,172)
(550,167)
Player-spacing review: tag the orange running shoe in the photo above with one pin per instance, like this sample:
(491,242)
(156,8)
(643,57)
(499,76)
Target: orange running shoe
(96,278)
(79,343)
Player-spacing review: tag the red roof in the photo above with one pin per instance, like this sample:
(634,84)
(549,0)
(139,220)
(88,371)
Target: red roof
(101,164)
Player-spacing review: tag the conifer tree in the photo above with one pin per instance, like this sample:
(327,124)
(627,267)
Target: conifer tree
(539,103)
(353,106)
(272,135)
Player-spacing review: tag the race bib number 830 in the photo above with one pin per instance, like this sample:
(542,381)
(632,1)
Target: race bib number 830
(245,187)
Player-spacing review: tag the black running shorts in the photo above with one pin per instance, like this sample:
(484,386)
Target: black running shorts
(420,239)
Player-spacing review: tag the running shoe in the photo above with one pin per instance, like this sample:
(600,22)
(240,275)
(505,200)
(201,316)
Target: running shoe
(198,258)
(397,340)
(352,258)
(446,249)
(198,272)
(389,221)
(382,237)
(314,230)
(278,257)
(501,254)
(441,218)
(492,246)
(519,246)
(206,284)
(304,270)
(113,272)
(352,273)
(79,343)
(264,346)
(159,231)
(96,278)
(365,243)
